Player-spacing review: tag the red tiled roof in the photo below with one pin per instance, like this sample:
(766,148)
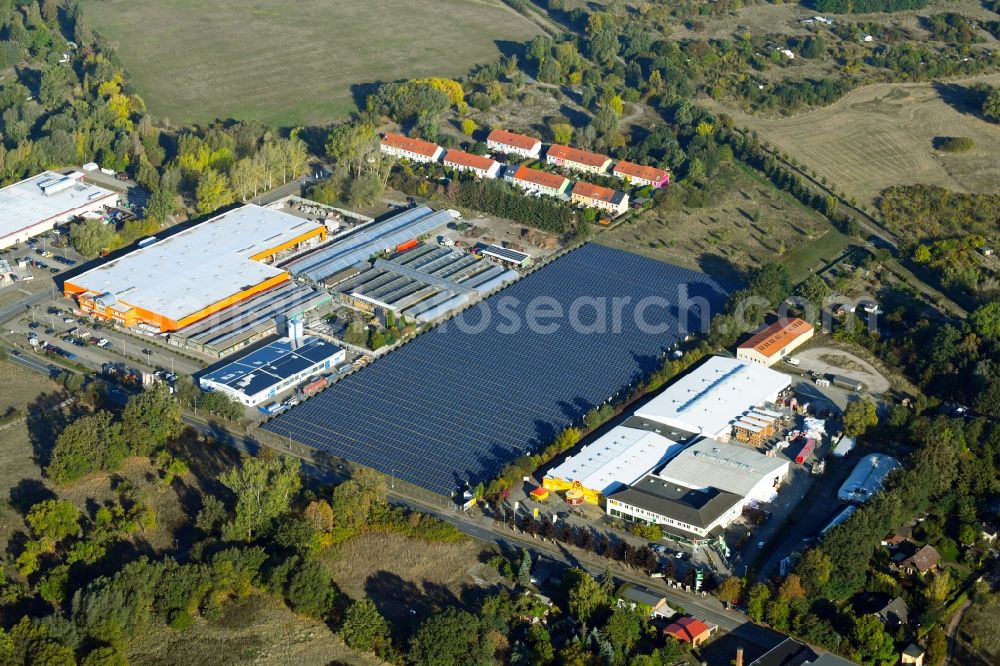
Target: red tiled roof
(577,155)
(521,141)
(633,170)
(418,146)
(686,629)
(462,158)
(543,178)
(597,192)
(777,336)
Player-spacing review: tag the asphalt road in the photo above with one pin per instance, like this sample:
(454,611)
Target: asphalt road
(707,608)
(20,307)
(28,361)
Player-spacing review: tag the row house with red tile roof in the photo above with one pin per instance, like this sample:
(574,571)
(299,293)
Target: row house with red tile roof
(482,167)
(577,160)
(602,198)
(416,150)
(641,175)
(512,143)
(547,183)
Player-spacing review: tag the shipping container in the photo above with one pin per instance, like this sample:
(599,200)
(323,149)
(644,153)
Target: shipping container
(804,452)
(848,383)
(314,386)
(408,245)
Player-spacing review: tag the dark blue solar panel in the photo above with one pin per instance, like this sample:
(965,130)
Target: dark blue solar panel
(454,406)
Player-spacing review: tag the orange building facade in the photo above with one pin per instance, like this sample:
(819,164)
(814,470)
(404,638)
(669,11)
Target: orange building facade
(117,309)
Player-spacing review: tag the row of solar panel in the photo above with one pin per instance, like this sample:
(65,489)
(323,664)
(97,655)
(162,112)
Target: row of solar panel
(453,407)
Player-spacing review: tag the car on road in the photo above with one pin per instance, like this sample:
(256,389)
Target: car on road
(147,352)
(33,325)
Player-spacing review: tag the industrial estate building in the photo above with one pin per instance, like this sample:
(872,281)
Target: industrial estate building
(775,342)
(710,399)
(684,513)
(249,321)
(701,490)
(506,256)
(424,283)
(867,478)
(542,181)
(416,150)
(351,252)
(731,468)
(512,143)
(37,204)
(188,276)
(616,459)
(601,198)
(576,159)
(659,466)
(482,167)
(265,372)
(641,175)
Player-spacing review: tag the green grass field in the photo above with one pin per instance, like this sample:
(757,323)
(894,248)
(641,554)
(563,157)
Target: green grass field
(288,63)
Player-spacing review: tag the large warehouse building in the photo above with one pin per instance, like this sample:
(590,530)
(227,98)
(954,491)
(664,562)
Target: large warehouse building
(710,399)
(37,204)
(701,490)
(729,467)
(775,342)
(265,372)
(195,273)
(618,458)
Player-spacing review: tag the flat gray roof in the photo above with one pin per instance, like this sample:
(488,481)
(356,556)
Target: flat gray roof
(26,203)
(202,265)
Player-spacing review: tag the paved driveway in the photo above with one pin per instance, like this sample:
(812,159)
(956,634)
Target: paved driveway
(862,370)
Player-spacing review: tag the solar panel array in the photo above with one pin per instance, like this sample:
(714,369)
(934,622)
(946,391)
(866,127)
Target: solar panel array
(454,406)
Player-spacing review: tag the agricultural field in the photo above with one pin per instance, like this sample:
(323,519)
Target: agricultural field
(310,62)
(745,223)
(884,135)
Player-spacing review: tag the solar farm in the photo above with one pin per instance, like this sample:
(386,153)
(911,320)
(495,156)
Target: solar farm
(456,404)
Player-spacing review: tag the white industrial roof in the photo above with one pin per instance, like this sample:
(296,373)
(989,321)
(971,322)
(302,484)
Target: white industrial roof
(25,204)
(618,458)
(199,266)
(729,467)
(867,478)
(712,396)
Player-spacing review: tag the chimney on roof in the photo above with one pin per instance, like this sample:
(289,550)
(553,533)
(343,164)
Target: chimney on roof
(739,656)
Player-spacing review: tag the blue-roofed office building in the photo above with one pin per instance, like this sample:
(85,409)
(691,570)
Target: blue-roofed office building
(267,371)
(499,380)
